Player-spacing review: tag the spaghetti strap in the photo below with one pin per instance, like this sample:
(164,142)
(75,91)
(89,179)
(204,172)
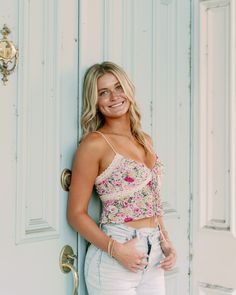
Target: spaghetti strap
(108,142)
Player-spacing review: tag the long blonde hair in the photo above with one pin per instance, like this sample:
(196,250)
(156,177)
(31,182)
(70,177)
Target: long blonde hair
(92,119)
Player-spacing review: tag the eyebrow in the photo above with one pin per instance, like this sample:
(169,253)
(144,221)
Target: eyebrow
(116,84)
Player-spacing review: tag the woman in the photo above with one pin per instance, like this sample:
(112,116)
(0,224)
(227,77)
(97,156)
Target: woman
(130,249)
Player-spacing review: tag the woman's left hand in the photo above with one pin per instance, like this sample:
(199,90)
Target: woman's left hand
(168,262)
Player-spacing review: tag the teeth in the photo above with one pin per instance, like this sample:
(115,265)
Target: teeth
(117,105)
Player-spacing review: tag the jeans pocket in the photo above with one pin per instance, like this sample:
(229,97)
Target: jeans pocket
(106,259)
(90,256)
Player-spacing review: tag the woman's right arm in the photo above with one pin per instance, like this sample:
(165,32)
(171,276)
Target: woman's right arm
(84,172)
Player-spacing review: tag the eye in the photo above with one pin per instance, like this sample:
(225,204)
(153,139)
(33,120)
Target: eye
(103,93)
(119,88)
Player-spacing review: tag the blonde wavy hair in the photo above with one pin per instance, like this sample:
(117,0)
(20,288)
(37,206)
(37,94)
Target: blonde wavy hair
(92,119)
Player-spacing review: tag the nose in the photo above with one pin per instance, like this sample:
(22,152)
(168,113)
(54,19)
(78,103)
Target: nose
(113,95)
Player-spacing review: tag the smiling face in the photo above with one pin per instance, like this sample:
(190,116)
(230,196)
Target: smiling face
(112,101)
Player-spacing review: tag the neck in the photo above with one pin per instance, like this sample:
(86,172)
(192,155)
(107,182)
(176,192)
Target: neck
(121,126)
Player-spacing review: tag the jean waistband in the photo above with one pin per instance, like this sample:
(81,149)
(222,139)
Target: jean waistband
(123,229)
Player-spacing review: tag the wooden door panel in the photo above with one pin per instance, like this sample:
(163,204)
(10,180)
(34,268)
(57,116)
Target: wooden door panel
(151,40)
(214,236)
(40,139)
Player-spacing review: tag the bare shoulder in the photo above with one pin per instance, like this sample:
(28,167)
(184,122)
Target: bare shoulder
(92,143)
(89,154)
(86,165)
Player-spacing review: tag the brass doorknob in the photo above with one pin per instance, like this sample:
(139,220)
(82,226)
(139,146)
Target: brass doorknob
(8,55)
(66,179)
(66,262)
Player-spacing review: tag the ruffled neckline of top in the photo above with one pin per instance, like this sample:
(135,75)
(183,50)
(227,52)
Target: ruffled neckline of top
(117,158)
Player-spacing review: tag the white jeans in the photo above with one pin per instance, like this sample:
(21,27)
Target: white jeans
(106,276)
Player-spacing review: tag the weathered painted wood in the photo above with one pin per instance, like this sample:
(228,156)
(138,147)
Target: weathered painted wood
(39,135)
(214,113)
(151,40)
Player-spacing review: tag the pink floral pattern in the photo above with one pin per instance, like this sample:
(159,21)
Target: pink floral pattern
(123,202)
(129,179)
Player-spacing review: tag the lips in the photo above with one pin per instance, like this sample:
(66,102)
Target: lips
(117,104)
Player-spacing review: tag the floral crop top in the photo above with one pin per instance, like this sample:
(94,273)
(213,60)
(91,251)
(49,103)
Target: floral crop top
(128,189)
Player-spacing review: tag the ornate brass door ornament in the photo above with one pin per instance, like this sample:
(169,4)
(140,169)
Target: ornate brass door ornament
(8,55)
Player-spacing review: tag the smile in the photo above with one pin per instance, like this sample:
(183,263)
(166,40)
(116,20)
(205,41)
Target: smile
(117,104)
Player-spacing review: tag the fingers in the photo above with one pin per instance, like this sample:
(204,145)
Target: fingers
(130,257)
(139,266)
(168,262)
